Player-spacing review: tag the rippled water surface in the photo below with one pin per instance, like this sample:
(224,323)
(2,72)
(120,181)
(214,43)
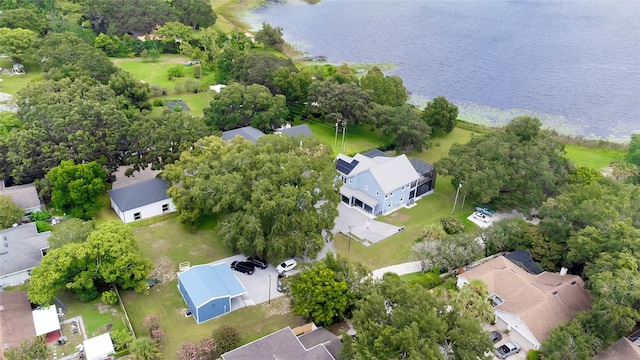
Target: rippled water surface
(574,64)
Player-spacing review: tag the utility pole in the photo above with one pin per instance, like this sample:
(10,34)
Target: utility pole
(344,128)
(455,202)
(349,246)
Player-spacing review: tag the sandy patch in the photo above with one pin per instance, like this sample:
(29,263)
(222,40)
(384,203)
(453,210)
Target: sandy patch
(165,270)
(280,306)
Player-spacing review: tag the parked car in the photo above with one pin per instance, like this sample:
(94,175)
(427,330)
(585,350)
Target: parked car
(509,348)
(485,210)
(281,286)
(243,267)
(258,262)
(152,282)
(495,336)
(287,265)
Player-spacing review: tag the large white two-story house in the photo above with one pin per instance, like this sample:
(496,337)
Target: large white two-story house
(378,183)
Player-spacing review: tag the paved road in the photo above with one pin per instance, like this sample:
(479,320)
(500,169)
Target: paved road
(362,225)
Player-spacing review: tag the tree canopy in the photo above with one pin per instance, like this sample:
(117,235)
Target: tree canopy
(76,189)
(505,168)
(270,36)
(402,124)
(385,90)
(10,213)
(396,321)
(109,256)
(196,13)
(274,197)
(69,232)
(17,43)
(24,19)
(117,17)
(440,114)
(238,106)
(346,100)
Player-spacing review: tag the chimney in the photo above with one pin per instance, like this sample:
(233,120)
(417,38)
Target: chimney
(563,271)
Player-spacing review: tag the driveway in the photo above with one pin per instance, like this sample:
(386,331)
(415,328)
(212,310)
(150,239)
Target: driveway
(259,288)
(362,226)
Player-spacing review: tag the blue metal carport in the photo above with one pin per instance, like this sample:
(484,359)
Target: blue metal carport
(208,290)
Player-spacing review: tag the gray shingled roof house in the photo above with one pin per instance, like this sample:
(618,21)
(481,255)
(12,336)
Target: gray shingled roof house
(21,249)
(250,133)
(142,200)
(284,345)
(296,130)
(25,196)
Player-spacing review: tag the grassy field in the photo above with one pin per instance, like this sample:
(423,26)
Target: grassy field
(11,84)
(357,138)
(590,157)
(229,13)
(196,102)
(98,318)
(152,72)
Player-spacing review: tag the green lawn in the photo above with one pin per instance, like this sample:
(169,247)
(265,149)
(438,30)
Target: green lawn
(153,72)
(593,158)
(168,244)
(98,318)
(196,102)
(357,138)
(11,84)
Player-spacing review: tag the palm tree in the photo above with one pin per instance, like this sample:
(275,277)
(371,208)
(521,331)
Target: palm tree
(472,300)
(143,348)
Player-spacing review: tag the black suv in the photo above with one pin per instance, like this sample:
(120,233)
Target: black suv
(258,262)
(243,267)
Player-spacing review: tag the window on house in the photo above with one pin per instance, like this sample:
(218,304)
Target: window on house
(377,193)
(402,199)
(137,216)
(386,196)
(165,207)
(389,205)
(391,194)
(349,181)
(413,184)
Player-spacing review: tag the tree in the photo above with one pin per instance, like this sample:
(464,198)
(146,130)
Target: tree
(10,213)
(347,100)
(238,106)
(294,85)
(130,92)
(63,55)
(448,253)
(117,17)
(440,114)
(395,321)
(503,168)
(385,90)
(570,342)
(23,19)
(77,188)
(175,31)
(402,124)
(507,235)
(319,296)
(274,197)
(74,120)
(270,36)
(110,256)
(158,139)
(8,122)
(633,156)
(69,232)
(471,301)
(143,348)
(17,43)
(197,13)
(226,338)
(35,349)
(251,67)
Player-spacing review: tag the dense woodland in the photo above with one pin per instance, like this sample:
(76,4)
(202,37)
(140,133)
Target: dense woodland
(85,117)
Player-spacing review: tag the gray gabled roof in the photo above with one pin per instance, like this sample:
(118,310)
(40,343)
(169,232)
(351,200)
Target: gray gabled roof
(394,173)
(140,194)
(421,167)
(373,153)
(281,345)
(25,196)
(297,130)
(22,249)
(248,132)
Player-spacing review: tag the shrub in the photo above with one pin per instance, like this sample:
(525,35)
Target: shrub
(109,297)
(157,90)
(226,337)
(121,338)
(178,108)
(533,355)
(192,85)
(452,225)
(429,280)
(40,216)
(197,71)
(176,71)
(152,323)
(43,226)
(158,102)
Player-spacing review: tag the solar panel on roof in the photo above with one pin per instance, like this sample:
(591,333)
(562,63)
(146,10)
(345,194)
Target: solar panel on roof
(345,167)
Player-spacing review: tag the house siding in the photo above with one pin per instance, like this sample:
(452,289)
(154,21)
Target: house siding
(145,211)
(213,309)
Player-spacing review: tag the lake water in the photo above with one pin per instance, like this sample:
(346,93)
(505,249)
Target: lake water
(573,64)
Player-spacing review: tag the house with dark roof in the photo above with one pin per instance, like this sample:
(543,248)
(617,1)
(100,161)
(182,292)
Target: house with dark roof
(248,133)
(527,304)
(25,196)
(21,249)
(627,348)
(16,322)
(209,290)
(142,200)
(379,184)
(295,130)
(284,345)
